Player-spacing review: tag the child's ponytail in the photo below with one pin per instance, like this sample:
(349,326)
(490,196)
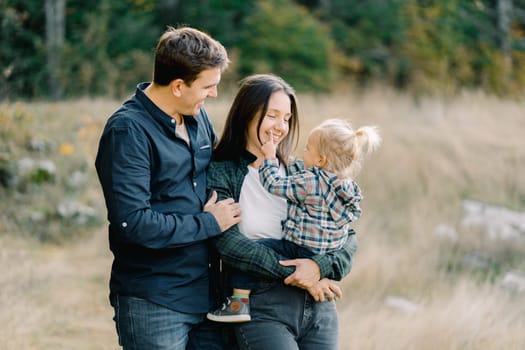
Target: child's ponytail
(368,139)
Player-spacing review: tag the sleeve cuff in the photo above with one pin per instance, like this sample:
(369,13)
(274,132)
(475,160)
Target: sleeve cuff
(324,264)
(210,224)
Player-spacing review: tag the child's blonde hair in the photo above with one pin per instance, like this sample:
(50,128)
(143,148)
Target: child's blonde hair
(345,148)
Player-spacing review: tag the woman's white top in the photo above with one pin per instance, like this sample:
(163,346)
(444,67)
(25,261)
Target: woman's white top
(262,212)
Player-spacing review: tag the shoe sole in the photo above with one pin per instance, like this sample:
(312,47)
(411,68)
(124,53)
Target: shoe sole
(229,318)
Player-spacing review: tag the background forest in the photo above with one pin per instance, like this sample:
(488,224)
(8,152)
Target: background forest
(59,48)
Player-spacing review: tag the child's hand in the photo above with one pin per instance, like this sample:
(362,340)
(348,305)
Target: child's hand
(269,148)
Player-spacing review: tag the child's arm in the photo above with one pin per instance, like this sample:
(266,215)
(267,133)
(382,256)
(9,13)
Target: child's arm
(269,148)
(295,187)
(288,187)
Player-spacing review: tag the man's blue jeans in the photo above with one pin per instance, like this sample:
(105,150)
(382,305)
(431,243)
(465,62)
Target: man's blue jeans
(142,325)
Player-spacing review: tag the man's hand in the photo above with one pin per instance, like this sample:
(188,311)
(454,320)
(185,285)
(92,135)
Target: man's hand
(307,273)
(325,289)
(226,212)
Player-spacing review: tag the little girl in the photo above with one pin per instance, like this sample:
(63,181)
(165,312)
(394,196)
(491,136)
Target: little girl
(323,199)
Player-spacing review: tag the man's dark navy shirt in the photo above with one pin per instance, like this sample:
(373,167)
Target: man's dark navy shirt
(154,186)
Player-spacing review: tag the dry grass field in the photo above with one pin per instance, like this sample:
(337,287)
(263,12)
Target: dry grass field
(436,152)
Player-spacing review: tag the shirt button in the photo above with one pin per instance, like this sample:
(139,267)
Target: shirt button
(124,224)
(173,121)
(194,184)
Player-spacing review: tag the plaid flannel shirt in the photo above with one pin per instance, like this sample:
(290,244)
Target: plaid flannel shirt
(226,177)
(320,205)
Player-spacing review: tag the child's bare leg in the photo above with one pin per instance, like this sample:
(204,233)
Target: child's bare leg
(241,293)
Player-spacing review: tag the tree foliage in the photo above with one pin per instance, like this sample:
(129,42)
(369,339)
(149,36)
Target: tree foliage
(283,38)
(21,48)
(421,45)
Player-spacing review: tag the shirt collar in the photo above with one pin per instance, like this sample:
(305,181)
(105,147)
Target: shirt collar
(247,158)
(157,114)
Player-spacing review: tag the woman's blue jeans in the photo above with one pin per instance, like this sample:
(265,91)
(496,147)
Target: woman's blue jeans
(288,318)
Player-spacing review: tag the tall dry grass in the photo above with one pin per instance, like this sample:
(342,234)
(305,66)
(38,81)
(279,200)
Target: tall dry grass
(436,153)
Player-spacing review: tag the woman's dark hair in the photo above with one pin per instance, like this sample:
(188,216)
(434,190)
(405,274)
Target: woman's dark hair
(252,101)
(184,53)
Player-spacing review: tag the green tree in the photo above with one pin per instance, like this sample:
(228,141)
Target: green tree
(220,18)
(109,47)
(368,33)
(22,49)
(420,44)
(453,44)
(55,28)
(283,38)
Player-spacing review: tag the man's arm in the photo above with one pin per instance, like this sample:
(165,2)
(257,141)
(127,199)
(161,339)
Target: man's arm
(123,166)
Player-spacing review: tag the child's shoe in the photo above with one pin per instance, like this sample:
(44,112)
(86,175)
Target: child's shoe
(232,310)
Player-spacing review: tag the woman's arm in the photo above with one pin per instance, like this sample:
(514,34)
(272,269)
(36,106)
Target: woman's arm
(248,255)
(334,265)
(234,248)
(337,264)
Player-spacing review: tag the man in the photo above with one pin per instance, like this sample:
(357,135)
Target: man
(151,163)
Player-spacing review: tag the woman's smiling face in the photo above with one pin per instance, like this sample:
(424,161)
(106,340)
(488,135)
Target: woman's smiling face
(274,124)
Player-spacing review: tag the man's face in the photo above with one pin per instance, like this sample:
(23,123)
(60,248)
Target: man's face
(192,96)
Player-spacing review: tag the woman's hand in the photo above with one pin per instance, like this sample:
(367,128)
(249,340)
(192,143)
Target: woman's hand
(325,289)
(306,275)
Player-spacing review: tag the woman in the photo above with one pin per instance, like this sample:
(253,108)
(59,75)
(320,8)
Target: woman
(288,307)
